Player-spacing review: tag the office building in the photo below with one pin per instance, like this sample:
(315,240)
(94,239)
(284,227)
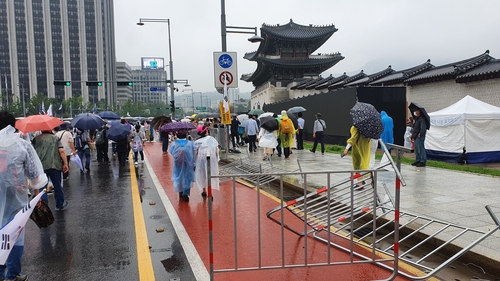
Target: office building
(65,40)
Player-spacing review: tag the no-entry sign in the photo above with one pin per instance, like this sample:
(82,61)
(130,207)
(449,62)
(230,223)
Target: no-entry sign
(225,69)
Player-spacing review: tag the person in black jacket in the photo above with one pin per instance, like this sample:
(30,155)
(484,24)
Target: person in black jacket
(101,143)
(418,136)
(234,131)
(164,141)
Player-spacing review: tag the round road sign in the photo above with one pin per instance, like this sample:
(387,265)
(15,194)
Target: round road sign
(225,61)
(227,77)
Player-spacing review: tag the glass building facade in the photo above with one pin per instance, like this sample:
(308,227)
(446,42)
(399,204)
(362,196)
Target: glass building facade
(48,40)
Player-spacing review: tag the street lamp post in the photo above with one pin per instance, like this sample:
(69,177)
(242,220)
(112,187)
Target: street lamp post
(170,63)
(24,105)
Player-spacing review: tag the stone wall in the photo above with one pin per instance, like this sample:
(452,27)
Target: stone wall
(438,95)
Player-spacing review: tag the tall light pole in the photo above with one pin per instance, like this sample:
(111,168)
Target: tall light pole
(22,93)
(170,63)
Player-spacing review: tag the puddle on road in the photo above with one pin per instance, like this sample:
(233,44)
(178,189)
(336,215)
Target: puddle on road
(172,264)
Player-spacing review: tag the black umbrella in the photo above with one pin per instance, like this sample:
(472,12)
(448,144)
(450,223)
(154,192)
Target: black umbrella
(108,115)
(294,119)
(87,121)
(118,131)
(176,126)
(157,122)
(367,120)
(413,106)
(269,123)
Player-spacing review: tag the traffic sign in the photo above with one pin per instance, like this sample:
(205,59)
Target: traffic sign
(225,69)
(202,108)
(226,77)
(157,89)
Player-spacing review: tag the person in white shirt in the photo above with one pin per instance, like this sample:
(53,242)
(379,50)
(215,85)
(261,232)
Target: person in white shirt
(300,132)
(66,138)
(251,128)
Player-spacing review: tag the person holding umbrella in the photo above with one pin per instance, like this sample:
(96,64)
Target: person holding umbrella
(418,136)
(268,135)
(367,125)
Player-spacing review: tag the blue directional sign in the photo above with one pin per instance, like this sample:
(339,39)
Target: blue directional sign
(157,89)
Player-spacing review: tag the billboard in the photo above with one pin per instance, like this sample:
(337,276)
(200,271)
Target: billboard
(152,63)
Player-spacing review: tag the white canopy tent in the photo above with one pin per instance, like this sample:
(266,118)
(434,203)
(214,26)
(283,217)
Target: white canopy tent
(468,123)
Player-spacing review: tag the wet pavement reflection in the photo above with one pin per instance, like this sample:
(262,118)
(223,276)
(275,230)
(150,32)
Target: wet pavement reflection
(94,238)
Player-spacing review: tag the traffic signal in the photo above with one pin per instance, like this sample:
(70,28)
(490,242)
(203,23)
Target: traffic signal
(62,83)
(124,83)
(172,105)
(94,83)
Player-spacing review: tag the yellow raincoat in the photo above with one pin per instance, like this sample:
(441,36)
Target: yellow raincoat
(287,140)
(360,150)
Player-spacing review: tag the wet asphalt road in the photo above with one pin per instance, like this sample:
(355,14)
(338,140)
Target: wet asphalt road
(94,238)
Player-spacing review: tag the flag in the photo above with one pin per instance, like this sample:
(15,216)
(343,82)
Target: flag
(10,232)
(128,114)
(49,111)
(226,104)
(43,108)
(60,107)
(95,110)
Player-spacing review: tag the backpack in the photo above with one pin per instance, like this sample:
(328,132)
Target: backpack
(99,137)
(79,142)
(286,126)
(137,144)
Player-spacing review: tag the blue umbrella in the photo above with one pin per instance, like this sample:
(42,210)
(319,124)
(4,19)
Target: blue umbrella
(87,121)
(108,115)
(117,132)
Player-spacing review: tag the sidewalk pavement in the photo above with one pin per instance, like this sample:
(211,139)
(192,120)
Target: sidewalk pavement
(451,196)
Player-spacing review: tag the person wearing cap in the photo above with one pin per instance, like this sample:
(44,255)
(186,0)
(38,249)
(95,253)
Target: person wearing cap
(182,151)
(204,146)
(318,133)
(66,138)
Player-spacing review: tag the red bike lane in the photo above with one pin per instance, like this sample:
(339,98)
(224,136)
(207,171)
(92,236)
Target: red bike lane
(194,217)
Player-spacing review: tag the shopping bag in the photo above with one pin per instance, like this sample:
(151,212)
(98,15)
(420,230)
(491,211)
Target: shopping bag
(42,215)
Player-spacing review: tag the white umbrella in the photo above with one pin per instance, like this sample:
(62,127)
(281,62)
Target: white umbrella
(243,118)
(186,120)
(76,159)
(266,114)
(296,109)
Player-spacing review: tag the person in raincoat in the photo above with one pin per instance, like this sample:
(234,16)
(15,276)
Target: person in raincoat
(20,168)
(360,150)
(267,140)
(182,151)
(287,139)
(204,145)
(388,134)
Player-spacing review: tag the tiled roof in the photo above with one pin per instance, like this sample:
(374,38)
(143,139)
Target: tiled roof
(347,80)
(371,77)
(489,70)
(310,82)
(302,62)
(399,76)
(448,71)
(331,82)
(296,31)
(319,82)
(303,83)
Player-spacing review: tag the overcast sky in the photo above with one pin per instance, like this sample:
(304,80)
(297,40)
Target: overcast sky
(371,34)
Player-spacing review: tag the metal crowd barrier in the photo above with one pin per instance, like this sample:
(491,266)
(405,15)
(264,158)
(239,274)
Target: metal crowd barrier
(350,216)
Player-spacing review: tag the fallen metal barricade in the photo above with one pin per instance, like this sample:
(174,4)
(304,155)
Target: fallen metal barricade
(254,172)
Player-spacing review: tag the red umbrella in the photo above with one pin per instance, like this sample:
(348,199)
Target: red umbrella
(35,123)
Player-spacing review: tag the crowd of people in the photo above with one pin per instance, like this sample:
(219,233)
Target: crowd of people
(43,158)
